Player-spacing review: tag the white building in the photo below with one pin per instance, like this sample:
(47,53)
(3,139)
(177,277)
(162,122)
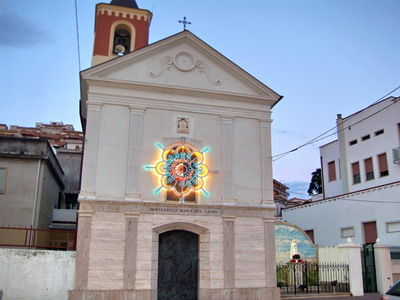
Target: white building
(361,180)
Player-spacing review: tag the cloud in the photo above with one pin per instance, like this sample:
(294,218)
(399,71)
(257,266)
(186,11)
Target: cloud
(16,31)
(298,189)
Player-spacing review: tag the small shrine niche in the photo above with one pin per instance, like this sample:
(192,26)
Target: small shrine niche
(182,125)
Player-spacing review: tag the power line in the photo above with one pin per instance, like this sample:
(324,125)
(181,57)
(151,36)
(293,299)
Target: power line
(77,34)
(322,136)
(380,99)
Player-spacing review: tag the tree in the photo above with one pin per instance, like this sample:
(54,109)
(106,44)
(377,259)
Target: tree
(316,183)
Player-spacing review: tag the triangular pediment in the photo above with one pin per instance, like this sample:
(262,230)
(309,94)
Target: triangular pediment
(182,61)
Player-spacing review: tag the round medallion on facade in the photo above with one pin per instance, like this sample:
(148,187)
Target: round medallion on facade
(184,61)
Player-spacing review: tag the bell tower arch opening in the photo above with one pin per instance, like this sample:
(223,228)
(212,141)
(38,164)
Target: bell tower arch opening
(123,38)
(121,27)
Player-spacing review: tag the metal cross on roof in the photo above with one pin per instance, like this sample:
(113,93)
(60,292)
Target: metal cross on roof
(184,22)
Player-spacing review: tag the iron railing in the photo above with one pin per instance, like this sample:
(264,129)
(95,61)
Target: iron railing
(313,278)
(37,238)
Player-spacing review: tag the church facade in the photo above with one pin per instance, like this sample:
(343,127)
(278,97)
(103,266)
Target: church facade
(176,197)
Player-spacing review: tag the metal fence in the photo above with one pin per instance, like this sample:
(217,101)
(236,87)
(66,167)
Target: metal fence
(313,278)
(37,238)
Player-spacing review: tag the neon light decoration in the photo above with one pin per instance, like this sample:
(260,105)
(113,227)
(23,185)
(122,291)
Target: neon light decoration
(182,170)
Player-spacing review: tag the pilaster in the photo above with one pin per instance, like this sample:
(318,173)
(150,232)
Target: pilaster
(270,257)
(227,150)
(130,250)
(83,249)
(134,154)
(266,163)
(91,149)
(229,251)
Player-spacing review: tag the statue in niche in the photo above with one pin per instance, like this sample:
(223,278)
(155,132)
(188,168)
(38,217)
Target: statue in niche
(183,125)
(293,248)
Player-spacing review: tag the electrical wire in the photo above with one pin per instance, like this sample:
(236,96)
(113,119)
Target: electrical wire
(77,34)
(322,136)
(380,99)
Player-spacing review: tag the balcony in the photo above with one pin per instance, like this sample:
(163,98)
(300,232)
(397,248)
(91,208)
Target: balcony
(396,155)
(64,215)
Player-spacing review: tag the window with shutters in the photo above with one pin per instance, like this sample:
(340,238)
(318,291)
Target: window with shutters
(331,171)
(369,171)
(356,172)
(383,166)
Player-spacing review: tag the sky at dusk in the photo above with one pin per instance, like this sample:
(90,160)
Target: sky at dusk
(326,57)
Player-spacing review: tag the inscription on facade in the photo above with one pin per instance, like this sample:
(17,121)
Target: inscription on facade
(184,210)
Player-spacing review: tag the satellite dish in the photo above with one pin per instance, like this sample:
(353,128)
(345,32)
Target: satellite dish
(119,50)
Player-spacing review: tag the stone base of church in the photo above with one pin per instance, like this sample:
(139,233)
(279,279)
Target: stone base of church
(110,295)
(204,294)
(118,250)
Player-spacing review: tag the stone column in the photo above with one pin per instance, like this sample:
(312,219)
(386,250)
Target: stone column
(227,145)
(266,163)
(134,154)
(83,249)
(383,267)
(353,254)
(90,150)
(130,250)
(229,252)
(270,256)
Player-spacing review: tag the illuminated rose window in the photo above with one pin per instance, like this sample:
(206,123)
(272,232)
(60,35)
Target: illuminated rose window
(182,172)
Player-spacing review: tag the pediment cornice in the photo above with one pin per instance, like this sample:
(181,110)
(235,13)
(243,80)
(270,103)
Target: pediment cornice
(103,70)
(154,88)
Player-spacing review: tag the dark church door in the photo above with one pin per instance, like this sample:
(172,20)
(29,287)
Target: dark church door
(177,265)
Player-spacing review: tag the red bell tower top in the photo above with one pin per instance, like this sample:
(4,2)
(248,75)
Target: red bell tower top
(121,27)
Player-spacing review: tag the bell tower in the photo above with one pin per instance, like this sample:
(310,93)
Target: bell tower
(121,27)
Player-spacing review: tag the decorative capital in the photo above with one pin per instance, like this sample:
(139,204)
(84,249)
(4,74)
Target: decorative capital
(85,213)
(229,218)
(269,220)
(132,215)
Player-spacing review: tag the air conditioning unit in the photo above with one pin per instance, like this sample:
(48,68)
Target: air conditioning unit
(396,156)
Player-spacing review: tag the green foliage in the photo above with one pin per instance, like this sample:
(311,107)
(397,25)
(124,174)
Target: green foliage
(316,183)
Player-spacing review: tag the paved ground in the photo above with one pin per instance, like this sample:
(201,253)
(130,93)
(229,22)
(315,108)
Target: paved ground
(329,297)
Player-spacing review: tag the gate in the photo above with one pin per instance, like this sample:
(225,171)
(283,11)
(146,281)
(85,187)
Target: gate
(313,278)
(177,265)
(368,268)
